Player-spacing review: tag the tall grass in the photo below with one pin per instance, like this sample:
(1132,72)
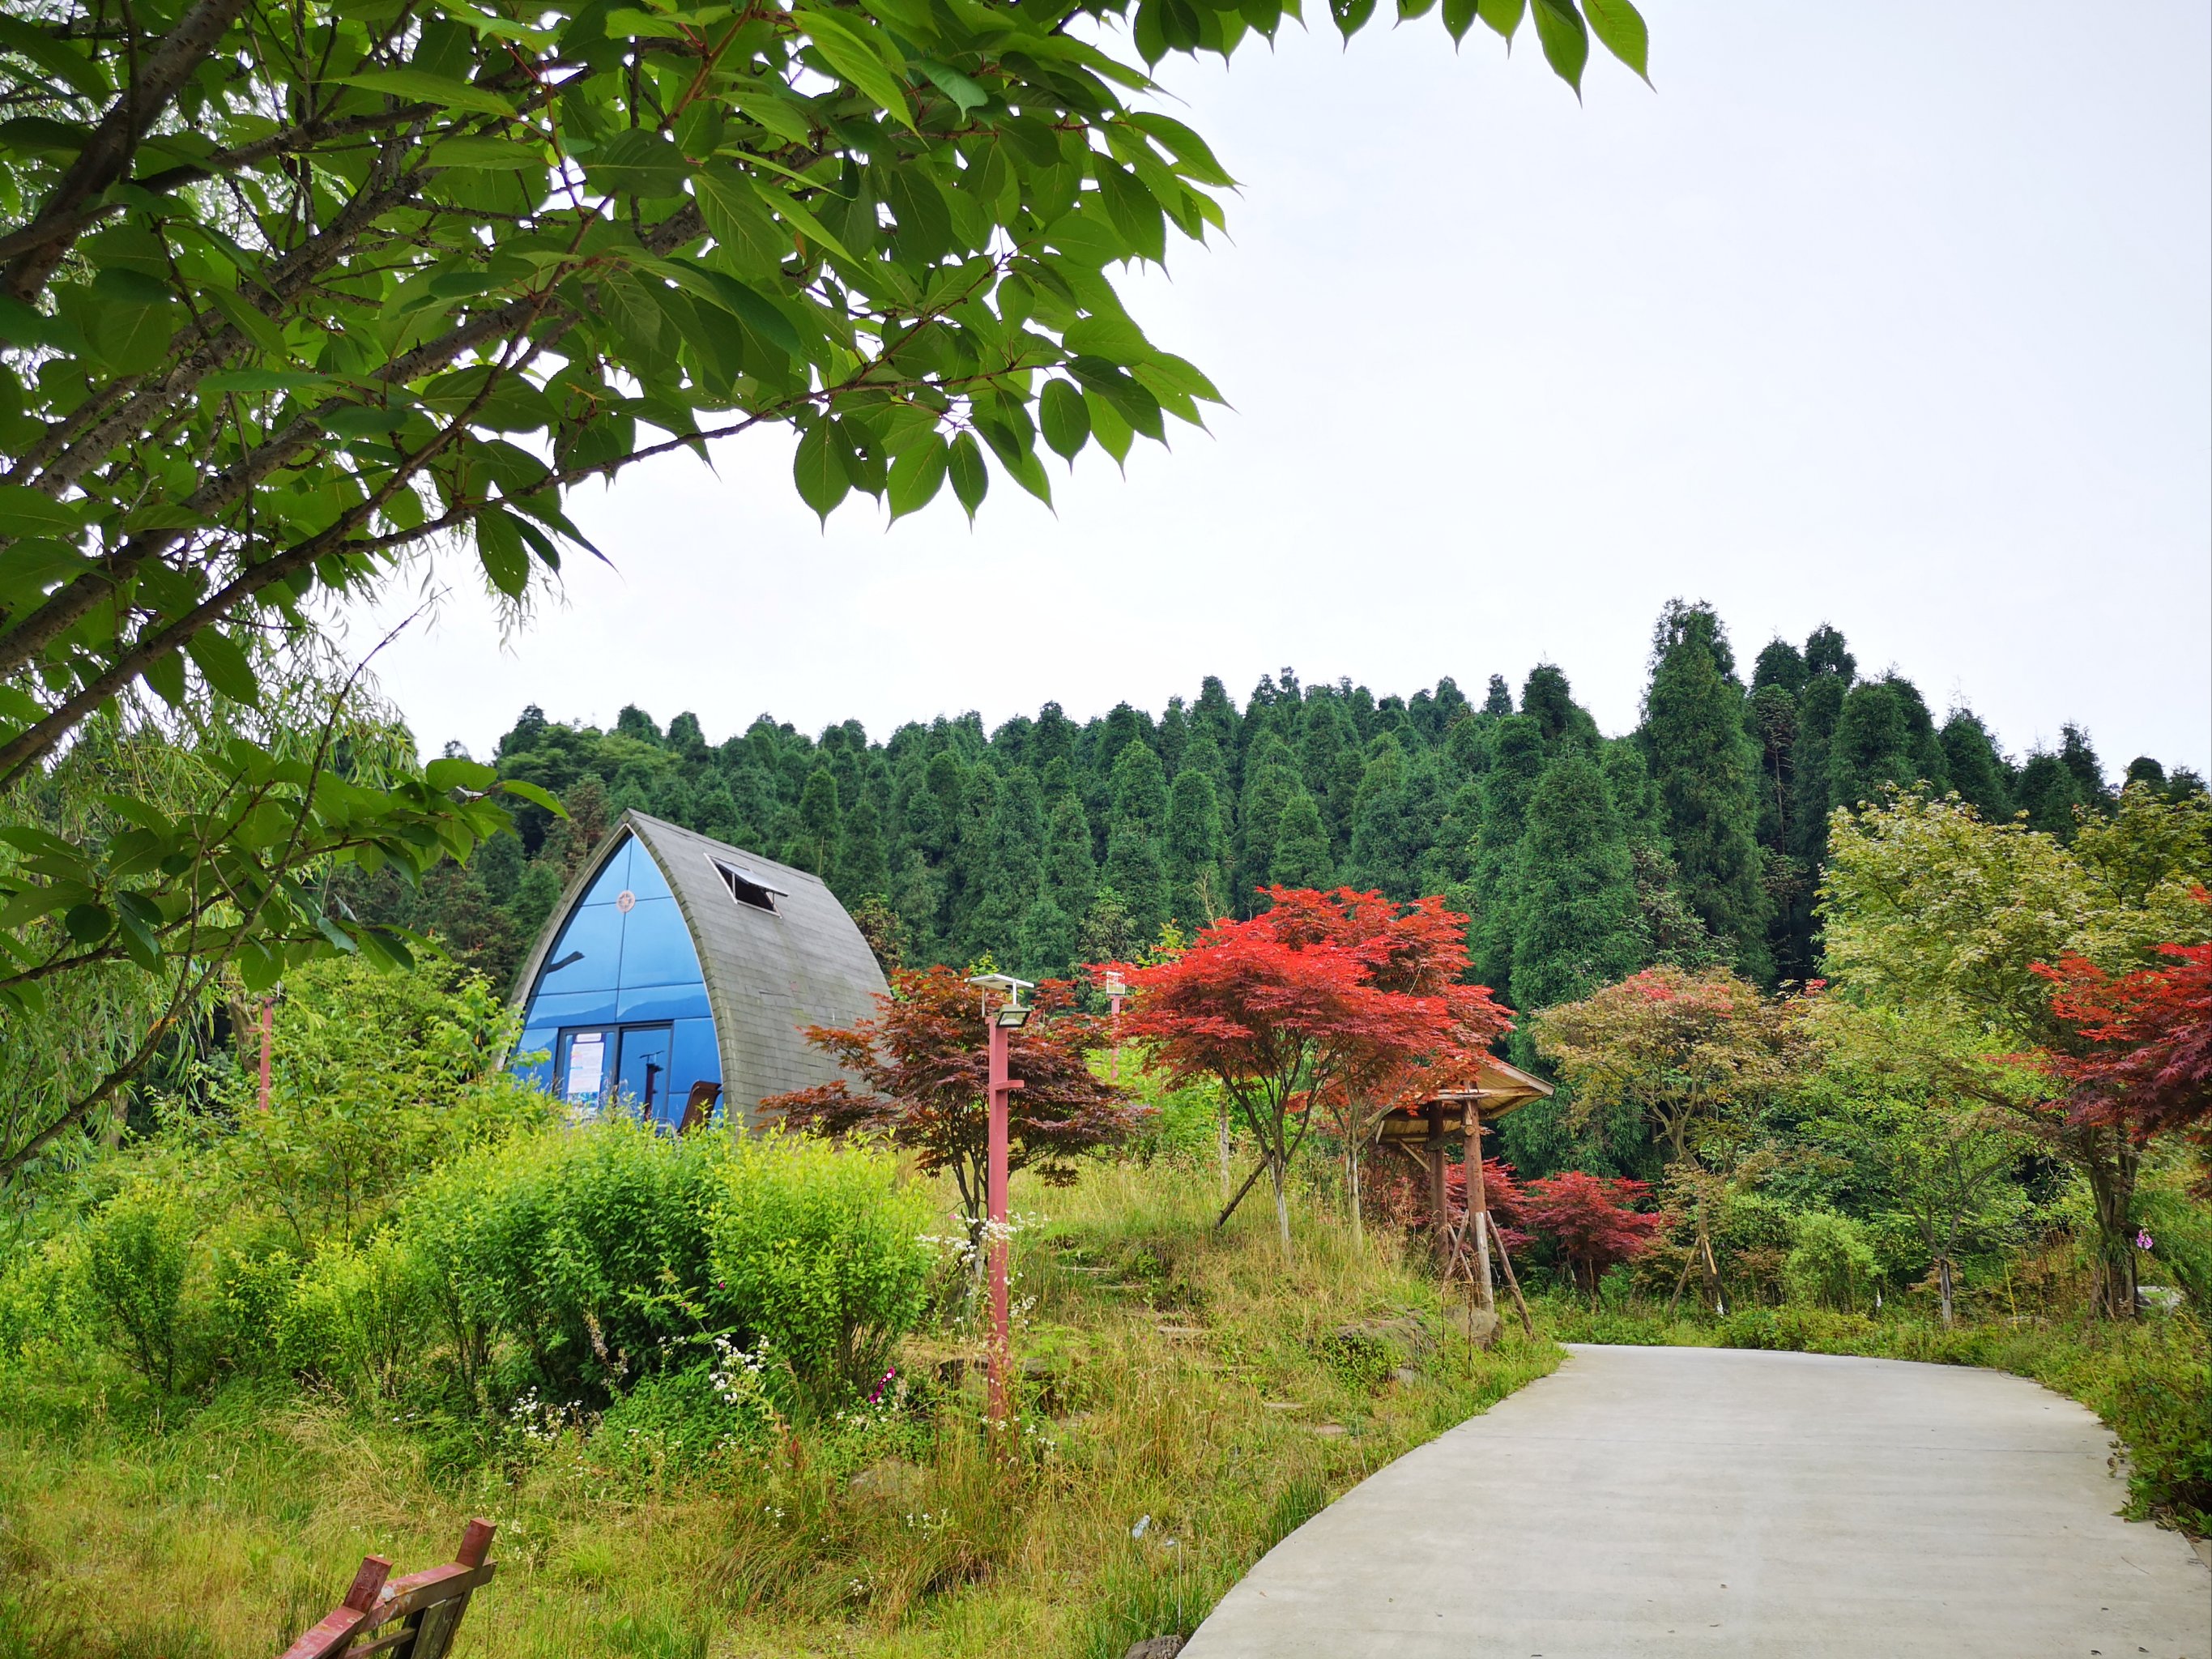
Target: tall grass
(1168,1371)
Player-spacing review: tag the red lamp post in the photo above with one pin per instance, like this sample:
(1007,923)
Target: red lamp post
(999,1027)
(1115,987)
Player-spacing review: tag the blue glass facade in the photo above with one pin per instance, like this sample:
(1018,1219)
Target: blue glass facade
(620,1007)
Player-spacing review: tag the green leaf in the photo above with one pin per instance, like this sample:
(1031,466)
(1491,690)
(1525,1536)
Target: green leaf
(65,59)
(421,86)
(1502,15)
(1459,16)
(917,474)
(1619,30)
(488,155)
(775,109)
(166,674)
(133,319)
(1565,41)
(971,478)
(28,512)
(1130,208)
(965,93)
(845,50)
(822,468)
(534,796)
(797,213)
(89,924)
(499,549)
(1186,146)
(451,772)
(750,306)
(738,219)
(1065,417)
(637,162)
(221,661)
(139,919)
(385,948)
(1351,15)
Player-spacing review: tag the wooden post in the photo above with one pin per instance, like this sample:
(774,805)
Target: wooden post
(1511,1283)
(1435,1147)
(267,1003)
(1478,1207)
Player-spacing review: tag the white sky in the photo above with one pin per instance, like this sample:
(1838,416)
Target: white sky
(1898,316)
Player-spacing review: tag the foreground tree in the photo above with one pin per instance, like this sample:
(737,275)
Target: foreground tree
(1591,1220)
(1931,912)
(1296,1004)
(1685,1050)
(926,1069)
(2148,1064)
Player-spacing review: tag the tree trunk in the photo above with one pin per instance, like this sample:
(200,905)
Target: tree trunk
(1276,1173)
(1223,1126)
(2110,1166)
(1351,1170)
(1943,1286)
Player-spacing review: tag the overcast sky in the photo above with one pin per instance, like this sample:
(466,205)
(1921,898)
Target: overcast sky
(1895,316)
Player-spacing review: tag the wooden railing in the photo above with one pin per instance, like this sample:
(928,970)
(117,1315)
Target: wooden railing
(418,1615)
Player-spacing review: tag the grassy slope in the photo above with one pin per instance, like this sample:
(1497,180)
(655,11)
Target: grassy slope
(1181,1374)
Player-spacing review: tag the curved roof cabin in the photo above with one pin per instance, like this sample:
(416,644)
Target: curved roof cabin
(676,961)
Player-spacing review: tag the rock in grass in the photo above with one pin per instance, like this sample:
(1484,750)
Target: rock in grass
(1158,1647)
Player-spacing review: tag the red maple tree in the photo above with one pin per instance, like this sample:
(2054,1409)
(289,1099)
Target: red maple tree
(924,1059)
(2147,1063)
(1344,999)
(1589,1220)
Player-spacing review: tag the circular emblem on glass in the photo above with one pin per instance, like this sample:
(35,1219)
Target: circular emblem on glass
(625,901)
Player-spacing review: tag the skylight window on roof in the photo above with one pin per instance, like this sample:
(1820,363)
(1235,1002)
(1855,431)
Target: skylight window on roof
(747,888)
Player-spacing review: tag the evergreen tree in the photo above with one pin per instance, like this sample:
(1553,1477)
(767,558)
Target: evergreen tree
(1009,874)
(1197,851)
(1497,700)
(1495,881)
(1884,740)
(1071,874)
(1133,836)
(1702,760)
(1301,857)
(1270,779)
(2080,758)
(1383,845)
(1547,699)
(821,827)
(1977,770)
(2048,792)
(863,858)
(1780,664)
(918,900)
(1331,766)
(1577,923)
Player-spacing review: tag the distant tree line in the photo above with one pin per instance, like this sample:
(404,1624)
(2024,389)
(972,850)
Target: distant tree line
(1698,839)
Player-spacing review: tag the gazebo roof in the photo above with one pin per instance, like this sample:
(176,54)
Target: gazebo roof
(1500,1089)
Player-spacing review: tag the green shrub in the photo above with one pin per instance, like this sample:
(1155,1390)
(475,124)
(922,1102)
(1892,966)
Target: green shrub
(819,1251)
(138,1252)
(355,1315)
(587,1246)
(681,1420)
(1831,1264)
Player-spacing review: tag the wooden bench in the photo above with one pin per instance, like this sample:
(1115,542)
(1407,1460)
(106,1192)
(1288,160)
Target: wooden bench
(418,1615)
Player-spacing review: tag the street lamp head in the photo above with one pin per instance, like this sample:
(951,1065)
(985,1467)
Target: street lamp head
(1014,988)
(1012,1017)
(1113,985)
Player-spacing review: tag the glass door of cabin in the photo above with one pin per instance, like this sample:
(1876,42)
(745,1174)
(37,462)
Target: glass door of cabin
(641,1072)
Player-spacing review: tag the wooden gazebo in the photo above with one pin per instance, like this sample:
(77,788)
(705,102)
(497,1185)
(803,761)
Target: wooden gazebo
(1421,1131)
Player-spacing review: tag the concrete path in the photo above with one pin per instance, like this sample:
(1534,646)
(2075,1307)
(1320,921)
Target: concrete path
(1710,1502)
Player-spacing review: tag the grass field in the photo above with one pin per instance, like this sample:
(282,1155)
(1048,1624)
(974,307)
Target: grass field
(1170,1372)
